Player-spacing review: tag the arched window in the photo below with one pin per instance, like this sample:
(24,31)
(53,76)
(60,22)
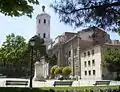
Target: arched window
(88,53)
(44,35)
(39,21)
(44,21)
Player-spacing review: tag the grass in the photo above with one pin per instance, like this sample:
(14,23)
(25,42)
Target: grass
(47,89)
(77,88)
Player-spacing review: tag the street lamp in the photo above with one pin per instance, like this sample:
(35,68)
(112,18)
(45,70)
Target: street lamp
(32,43)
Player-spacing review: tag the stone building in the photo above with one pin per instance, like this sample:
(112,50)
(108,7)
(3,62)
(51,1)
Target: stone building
(92,62)
(69,46)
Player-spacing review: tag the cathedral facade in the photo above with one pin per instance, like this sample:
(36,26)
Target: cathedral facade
(83,52)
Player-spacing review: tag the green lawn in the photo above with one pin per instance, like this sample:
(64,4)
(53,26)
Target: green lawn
(77,88)
(47,89)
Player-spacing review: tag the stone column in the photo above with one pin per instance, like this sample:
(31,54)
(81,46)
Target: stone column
(38,75)
(79,58)
(72,60)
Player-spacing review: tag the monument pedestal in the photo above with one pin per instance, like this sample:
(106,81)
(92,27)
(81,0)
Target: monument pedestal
(38,75)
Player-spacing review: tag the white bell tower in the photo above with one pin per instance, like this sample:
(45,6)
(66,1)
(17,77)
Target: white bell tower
(42,29)
(43,26)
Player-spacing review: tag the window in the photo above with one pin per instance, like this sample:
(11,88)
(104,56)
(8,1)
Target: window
(44,21)
(85,72)
(88,63)
(88,53)
(69,53)
(93,62)
(77,67)
(85,64)
(93,72)
(84,54)
(44,35)
(92,52)
(39,21)
(89,72)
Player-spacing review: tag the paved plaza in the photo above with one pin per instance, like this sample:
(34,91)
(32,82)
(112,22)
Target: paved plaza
(49,83)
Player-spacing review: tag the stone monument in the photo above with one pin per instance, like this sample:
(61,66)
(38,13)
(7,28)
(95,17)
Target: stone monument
(38,75)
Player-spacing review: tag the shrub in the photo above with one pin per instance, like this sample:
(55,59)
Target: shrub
(67,71)
(53,69)
(57,71)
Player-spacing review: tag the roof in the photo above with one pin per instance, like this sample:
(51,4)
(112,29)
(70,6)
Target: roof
(105,44)
(41,14)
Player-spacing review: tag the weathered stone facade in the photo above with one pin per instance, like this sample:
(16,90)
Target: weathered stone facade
(69,46)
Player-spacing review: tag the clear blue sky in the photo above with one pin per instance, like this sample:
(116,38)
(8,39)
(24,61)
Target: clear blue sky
(27,27)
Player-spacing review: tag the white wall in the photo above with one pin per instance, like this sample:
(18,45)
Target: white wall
(42,27)
(96,67)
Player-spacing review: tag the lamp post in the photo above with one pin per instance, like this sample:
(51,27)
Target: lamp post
(32,43)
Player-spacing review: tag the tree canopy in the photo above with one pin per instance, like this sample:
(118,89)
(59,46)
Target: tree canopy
(14,56)
(100,13)
(17,7)
(39,47)
(13,49)
(52,60)
(112,60)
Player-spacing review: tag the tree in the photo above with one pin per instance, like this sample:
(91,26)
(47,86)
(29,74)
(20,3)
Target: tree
(13,49)
(39,47)
(112,60)
(16,52)
(66,71)
(13,54)
(100,13)
(17,7)
(52,60)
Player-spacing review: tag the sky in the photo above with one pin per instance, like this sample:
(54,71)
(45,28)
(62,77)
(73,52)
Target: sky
(26,26)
